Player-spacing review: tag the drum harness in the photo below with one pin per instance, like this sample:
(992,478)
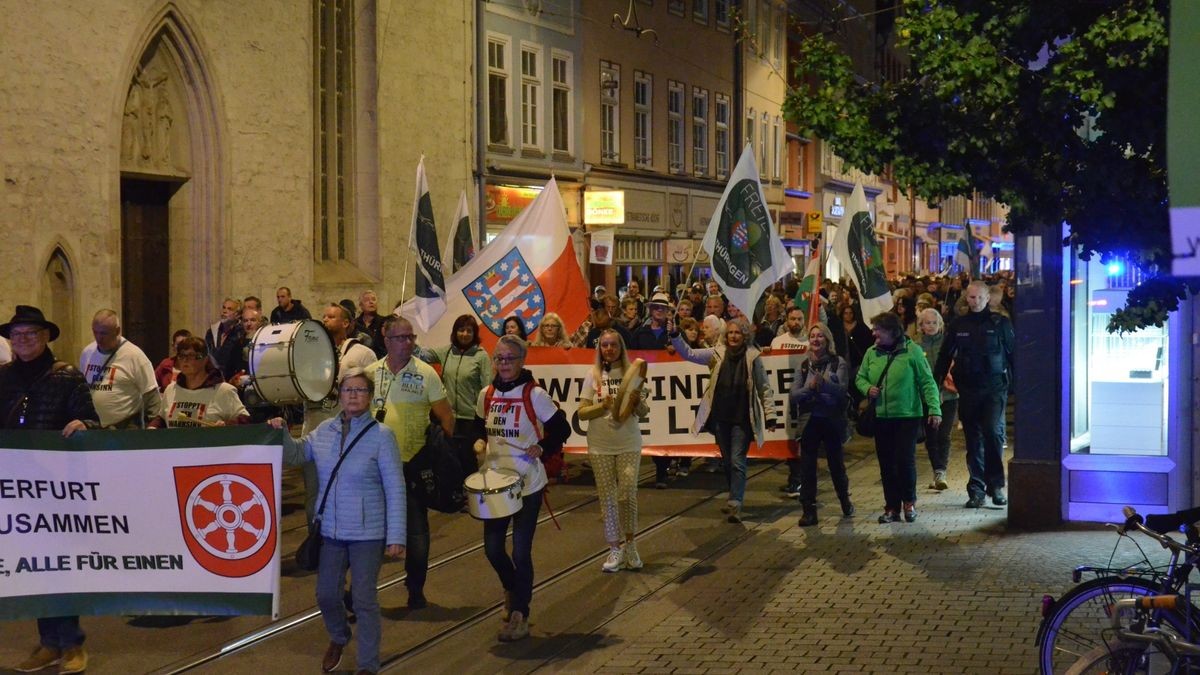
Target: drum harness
(527,401)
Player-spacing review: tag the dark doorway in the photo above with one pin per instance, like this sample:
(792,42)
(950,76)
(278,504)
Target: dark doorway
(145,265)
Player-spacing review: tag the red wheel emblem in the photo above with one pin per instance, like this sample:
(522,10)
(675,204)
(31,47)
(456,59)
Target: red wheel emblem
(228,516)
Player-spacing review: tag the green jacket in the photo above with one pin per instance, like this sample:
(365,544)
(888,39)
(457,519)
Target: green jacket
(464,375)
(909,390)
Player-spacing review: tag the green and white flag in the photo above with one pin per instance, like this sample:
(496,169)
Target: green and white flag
(857,249)
(461,246)
(1183,143)
(429,302)
(746,252)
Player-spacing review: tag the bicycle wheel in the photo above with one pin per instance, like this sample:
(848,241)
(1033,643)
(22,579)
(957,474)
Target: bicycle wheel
(1122,658)
(1082,614)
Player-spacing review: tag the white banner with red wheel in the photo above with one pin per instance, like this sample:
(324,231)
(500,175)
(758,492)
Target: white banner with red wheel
(174,521)
(676,387)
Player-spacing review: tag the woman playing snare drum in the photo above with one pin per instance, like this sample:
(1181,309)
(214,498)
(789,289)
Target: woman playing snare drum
(516,440)
(614,449)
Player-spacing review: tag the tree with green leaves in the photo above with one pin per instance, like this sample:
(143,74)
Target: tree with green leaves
(1055,108)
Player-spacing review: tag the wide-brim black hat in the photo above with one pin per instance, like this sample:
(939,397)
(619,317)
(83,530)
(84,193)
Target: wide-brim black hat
(30,315)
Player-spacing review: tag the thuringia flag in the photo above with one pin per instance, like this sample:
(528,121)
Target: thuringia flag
(529,269)
(855,246)
(429,302)
(746,252)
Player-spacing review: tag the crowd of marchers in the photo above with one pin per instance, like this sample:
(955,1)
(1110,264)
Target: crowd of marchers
(942,355)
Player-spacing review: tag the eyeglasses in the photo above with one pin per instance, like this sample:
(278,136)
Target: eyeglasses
(355,390)
(24,334)
(192,356)
(506,359)
(406,337)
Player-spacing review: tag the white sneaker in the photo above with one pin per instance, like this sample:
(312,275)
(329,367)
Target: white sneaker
(632,560)
(613,562)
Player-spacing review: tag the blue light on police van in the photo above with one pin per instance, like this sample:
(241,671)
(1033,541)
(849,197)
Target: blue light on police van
(1116,268)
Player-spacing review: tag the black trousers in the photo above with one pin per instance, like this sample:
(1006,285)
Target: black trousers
(822,431)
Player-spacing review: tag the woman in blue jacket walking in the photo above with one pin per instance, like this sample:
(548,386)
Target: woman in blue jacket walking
(363,517)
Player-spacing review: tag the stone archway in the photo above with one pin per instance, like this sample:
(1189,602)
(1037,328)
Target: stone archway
(170,136)
(58,301)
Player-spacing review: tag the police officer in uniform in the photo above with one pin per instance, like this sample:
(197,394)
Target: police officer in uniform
(980,345)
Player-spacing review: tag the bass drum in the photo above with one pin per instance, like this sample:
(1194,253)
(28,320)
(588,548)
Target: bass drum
(293,362)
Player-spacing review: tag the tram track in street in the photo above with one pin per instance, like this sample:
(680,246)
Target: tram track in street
(312,613)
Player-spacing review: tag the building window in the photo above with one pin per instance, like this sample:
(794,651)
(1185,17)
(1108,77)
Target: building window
(610,112)
(721,140)
(676,7)
(700,11)
(700,131)
(763,157)
(780,36)
(643,97)
(777,161)
(334,196)
(721,13)
(561,78)
(531,93)
(675,126)
(751,124)
(750,20)
(497,92)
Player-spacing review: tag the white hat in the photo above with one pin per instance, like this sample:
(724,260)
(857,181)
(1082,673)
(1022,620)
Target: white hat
(660,298)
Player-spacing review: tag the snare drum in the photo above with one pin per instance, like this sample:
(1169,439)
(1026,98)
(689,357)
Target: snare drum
(293,362)
(493,493)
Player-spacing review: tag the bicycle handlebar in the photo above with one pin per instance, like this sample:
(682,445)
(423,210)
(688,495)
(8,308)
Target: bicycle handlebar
(1134,521)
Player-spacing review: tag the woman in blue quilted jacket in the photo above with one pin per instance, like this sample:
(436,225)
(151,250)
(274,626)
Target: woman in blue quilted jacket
(363,519)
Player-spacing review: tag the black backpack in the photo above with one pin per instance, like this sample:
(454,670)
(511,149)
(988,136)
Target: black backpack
(435,475)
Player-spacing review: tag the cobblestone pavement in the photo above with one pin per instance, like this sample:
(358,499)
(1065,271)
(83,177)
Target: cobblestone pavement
(954,592)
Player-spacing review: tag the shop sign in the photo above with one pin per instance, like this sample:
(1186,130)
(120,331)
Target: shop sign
(604,207)
(838,208)
(505,202)
(816,222)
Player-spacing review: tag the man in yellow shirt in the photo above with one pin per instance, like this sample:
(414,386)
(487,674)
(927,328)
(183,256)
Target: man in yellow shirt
(406,390)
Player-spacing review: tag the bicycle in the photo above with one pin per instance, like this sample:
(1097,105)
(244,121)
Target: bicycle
(1072,625)
(1141,648)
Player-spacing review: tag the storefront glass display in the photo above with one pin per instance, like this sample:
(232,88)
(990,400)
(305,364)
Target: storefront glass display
(1119,382)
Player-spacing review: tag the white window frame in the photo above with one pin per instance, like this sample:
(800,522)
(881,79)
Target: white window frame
(777,163)
(610,113)
(566,86)
(675,126)
(780,37)
(699,131)
(643,120)
(721,137)
(532,87)
(700,11)
(504,42)
(677,7)
(763,148)
(751,128)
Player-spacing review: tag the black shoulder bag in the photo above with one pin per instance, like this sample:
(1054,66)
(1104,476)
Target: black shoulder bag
(865,426)
(308,556)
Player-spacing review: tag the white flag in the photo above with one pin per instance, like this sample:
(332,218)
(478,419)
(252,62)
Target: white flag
(429,302)
(746,252)
(461,246)
(857,249)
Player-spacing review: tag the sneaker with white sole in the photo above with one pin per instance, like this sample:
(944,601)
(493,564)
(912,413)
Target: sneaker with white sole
(939,480)
(42,657)
(517,628)
(633,561)
(615,559)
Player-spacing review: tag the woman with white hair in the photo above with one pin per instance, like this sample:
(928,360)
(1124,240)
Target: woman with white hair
(747,408)
(937,441)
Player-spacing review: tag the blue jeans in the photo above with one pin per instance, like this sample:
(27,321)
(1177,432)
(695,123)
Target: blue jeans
(982,415)
(60,632)
(363,559)
(734,442)
(896,448)
(516,572)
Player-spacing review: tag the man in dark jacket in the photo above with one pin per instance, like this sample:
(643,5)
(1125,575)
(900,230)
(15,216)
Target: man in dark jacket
(38,391)
(980,345)
(289,310)
(653,335)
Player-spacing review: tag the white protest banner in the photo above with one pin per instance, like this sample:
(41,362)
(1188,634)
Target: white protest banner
(176,521)
(676,387)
